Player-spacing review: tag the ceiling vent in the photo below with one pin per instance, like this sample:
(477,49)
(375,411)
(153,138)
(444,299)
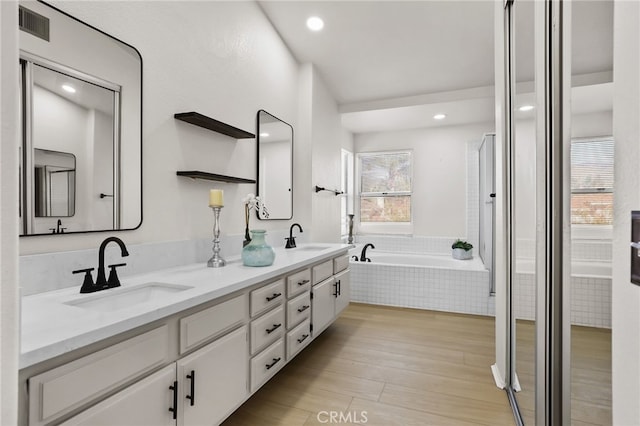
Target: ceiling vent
(33,23)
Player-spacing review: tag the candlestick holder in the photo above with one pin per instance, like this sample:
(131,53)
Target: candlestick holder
(216,260)
(350,240)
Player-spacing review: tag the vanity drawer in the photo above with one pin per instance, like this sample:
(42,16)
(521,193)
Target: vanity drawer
(266,297)
(298,309)
(266,364)
(298,282)
(267,329)
(211,322)
(340,263)
(322,271)
(65,388)
(298,338)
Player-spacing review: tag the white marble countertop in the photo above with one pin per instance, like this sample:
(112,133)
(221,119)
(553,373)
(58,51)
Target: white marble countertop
(52,325)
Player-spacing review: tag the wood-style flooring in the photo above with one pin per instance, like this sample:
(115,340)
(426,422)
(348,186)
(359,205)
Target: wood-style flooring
(590,374)
(391,366)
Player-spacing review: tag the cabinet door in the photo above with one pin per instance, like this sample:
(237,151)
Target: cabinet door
(146,402)
(322,305)
(344,291)
(213,380)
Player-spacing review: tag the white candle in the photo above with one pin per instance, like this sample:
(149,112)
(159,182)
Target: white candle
(216,198)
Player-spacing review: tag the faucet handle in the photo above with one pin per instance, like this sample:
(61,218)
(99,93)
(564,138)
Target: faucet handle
(87,284)
(291,242)
(113,280)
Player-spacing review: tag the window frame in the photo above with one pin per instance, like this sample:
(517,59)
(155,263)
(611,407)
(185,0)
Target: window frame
(383,227)
(607,190)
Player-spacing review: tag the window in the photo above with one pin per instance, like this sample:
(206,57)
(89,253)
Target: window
(592,181)
(385,187)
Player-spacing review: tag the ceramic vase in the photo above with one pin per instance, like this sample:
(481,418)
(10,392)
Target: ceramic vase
(258,252)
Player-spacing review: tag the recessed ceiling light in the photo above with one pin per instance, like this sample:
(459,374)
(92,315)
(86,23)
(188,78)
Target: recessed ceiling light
(439,116)
(264,135)
(315,24)
(68,88)
(524,108)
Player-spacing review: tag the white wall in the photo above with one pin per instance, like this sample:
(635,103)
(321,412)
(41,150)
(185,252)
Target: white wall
(439,199)
(626,132)
(9,307)
(222,59)
(327,139)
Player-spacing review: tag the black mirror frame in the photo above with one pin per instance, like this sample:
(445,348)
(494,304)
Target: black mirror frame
(258,161)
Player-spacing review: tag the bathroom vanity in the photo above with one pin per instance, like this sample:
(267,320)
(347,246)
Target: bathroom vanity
(181,346)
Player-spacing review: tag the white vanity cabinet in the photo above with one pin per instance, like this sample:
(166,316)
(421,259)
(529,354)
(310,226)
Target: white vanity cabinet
(330,295)
(145,403)
(212,382)
(195,366)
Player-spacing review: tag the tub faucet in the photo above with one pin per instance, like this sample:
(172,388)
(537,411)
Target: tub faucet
(363,255)
(291,241)
(101,280)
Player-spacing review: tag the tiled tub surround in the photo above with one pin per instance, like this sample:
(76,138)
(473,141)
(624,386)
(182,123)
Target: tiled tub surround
(590,292)
(435,282)
(51,327)
(419,286)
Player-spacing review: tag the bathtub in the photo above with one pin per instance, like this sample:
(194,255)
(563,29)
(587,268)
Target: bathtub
(579,268)
(590,292)
(435,282)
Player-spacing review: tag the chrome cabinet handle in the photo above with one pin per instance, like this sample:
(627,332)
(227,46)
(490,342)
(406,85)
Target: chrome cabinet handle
(635,245)
(275,361)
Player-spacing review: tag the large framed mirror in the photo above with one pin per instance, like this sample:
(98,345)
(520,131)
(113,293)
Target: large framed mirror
(275,167)
(81,112)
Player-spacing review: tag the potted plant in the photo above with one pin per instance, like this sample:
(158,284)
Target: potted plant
(462,250)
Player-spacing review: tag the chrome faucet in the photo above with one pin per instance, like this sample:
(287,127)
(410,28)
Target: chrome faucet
(363,255)
(291,241)
(101,280)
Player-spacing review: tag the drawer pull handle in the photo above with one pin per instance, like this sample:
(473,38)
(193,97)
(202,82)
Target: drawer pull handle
(275,295)
(174,409)
(335,284)
(275,361)
(339,288)
(303,338)
(192,378)
(303,308)
(303,282)
(274,328)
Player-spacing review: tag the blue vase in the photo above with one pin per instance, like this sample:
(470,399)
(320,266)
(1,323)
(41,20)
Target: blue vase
(258,252)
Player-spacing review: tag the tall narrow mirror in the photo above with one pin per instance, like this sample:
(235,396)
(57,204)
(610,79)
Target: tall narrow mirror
(275,167)
(81,109)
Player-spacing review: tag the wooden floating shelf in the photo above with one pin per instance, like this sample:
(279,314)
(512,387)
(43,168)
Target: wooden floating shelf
(194,174)
(212,124)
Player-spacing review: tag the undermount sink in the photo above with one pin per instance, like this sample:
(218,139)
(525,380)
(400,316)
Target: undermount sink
(123,297)
(313,248)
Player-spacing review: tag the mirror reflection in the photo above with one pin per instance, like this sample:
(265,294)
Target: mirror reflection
(54,183)
(275,166)
(81,109)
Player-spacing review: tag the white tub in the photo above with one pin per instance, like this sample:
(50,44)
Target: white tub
(421,281)
(424,260)
(586,269)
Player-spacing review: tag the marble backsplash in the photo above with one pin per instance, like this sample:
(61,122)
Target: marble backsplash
(52,271)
